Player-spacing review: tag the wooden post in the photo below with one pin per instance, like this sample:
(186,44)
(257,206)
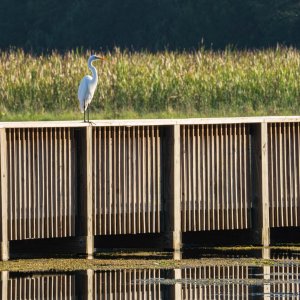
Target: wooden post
(4,196)
(171,190)
(85,203)
(260,188)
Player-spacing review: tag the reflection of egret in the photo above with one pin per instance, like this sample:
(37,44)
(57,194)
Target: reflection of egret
(88,86)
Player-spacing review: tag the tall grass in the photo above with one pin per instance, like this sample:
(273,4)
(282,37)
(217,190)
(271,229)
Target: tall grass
(202,83)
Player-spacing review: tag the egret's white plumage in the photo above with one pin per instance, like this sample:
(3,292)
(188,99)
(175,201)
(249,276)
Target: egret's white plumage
(88,85)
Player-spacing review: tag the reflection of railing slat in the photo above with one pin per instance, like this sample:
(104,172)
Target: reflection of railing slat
(42,287)
(202,282)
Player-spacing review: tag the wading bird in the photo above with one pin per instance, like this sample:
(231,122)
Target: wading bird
(87,87)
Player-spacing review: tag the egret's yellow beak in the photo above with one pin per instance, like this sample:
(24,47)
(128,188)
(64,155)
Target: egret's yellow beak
(101,57)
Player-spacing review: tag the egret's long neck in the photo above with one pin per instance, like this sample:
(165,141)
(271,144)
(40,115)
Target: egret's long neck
(94,71)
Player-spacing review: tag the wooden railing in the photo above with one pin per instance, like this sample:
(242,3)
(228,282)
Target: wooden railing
(66,179)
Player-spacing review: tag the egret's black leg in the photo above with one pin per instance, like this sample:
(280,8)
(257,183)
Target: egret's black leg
(84,112)
(88,108)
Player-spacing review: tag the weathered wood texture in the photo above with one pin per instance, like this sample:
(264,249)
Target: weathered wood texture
(171,187)
(284,171)
(126,179)
(3,196)
(215,177)
(118,177)
(260,190)
(41,183)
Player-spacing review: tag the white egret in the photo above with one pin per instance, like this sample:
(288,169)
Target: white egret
(88,86)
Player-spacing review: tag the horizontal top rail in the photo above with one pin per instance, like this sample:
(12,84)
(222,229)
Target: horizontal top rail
(150,122)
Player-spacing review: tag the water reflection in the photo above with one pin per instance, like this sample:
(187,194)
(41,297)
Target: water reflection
(205,282)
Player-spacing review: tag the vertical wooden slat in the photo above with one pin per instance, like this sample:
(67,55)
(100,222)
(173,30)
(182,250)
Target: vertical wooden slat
(217,178)
(234,181)
(204,189)
(223,177)
(110,180)
(4,196)
(104,180)
(43,193)
(198,180)
(114,182)
(123,170)
(149,178)
(183,178)
(29,184)
(189,164)
(38,203)
(212,180)
(240,179)
(153,194)
(260,184)
(119,184)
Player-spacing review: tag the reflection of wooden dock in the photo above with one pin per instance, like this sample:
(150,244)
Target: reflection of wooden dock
(205,282)
(71,179)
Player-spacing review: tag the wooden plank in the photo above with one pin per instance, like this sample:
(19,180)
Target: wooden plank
(260,186)
(227,176)
(213,178)
(28,161)
(85,190)
(110,202)
(172,188)
(114,181)
(295,172)
(105,181)
(189,179)
(198,180)
(235,189)
(222,177)
(43,179)
(158,177)
(240,178)
(209,179)
(151,122)
(123,178)
(183,178)
(218,178)
(204,189)
(11,183)
(129,176)
(4,196)
(149,179)
(298,175)
(47,191)
(134,181)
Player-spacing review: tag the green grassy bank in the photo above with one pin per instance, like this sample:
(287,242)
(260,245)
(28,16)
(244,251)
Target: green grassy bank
(164,85)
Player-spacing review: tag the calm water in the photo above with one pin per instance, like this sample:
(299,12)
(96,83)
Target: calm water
(281,281)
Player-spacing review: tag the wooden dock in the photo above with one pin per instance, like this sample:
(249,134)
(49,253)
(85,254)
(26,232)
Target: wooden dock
(120,177)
